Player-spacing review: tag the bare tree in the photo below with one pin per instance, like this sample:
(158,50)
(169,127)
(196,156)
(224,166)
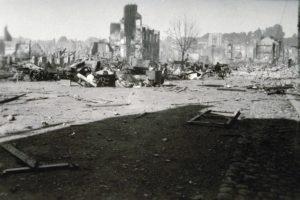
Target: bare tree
(184,34)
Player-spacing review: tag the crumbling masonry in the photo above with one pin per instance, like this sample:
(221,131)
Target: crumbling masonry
(131,39)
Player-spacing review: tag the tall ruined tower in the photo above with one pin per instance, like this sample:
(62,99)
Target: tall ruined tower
(7,36)
(130,13)
(131,40)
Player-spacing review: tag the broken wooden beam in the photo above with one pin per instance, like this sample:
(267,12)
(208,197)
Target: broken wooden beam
(232,119)
(39,98)
(232,89)
(27,133)
(181,90)
(278,87)
(222,111)
(38,168)
(212,85)
(11,99)
(109,105)
(31,162)
(198,116)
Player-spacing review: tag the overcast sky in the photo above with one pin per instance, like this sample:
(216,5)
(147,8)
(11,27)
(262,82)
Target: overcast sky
(79,19)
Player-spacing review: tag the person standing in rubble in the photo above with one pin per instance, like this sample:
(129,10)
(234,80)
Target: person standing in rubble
(217,67)
(187,58)
(186,61)
(219,70)
(164,72)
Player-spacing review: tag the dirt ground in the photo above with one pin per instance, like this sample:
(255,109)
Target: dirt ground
(156,156)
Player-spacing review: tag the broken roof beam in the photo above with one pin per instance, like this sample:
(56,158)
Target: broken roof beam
(31,162)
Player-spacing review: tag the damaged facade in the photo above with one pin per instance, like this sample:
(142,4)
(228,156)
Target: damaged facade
(102,49)
(131,39)
(268,49)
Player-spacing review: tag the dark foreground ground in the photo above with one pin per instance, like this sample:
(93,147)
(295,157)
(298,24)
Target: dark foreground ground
(159,156)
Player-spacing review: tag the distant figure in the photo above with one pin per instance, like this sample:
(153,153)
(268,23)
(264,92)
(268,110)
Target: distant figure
(217,67)
(165,70)
(290,62)
(187,58)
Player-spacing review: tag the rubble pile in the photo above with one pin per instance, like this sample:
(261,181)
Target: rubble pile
(110,75)
(194,71)
(263,71)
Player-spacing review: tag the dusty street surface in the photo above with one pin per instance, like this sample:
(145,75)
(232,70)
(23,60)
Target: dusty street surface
(56,102)
(156,156)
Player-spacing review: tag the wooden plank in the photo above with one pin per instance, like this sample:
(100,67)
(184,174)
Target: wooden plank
(221,111)
(11,99)
(23,134)
(279,87)
(232,89)
(211,85)
(199,115)
(230,120)
(38,168)
(109,105)
(31,162)
(39,98)
(181,90)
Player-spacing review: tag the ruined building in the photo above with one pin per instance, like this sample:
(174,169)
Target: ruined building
(7,45)
(102,49)
(130,39)
(268,49)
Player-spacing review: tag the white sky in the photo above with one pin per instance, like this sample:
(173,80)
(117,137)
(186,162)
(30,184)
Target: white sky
(80,19)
